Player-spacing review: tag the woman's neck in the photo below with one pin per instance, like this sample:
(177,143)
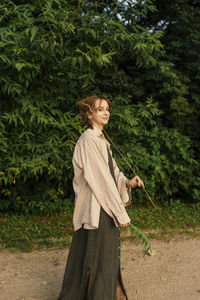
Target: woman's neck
(98,127)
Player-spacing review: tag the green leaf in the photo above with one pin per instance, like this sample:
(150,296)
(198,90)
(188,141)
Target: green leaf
(19,66)
(34,31)
(142,237)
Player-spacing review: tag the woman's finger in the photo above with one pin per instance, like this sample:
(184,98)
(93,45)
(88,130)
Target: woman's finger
(124,225)
(140,183)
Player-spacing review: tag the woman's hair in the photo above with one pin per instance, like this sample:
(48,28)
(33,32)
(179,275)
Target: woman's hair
(87,106)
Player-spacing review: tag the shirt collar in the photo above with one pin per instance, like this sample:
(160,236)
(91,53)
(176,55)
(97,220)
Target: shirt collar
(95,131)
(98,133)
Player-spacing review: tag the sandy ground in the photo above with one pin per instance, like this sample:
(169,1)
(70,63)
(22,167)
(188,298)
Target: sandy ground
(172,274)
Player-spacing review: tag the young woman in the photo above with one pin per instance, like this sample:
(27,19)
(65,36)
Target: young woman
(101,194)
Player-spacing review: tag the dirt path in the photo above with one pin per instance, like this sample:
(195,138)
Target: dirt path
(172,274)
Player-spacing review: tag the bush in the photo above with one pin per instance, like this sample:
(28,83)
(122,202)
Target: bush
(53,53)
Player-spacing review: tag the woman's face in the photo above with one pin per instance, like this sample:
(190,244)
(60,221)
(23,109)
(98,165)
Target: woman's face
(101,114)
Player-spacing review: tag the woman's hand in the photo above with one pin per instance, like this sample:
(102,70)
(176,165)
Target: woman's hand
(125,225)
(134,182)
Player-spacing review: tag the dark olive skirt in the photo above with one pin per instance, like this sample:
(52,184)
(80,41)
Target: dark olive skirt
(99,252)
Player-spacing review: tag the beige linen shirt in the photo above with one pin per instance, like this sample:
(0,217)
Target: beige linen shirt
(94,185)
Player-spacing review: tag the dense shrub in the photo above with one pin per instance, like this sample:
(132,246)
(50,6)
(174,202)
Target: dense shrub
(52,53)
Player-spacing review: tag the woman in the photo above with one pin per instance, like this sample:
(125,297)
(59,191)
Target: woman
(101,194)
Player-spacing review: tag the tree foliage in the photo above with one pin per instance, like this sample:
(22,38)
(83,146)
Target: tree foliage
(53,53)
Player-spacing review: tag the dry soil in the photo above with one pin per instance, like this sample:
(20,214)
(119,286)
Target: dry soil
(172,274)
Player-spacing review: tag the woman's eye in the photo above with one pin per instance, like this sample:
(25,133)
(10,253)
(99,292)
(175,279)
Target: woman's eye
(101,109)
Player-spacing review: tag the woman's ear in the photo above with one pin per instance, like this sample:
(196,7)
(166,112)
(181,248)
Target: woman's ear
(90,116)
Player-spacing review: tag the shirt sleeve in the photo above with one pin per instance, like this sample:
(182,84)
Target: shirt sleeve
(124,192)
(99,178)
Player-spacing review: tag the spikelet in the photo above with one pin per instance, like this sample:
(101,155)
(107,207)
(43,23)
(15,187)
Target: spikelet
(148,196)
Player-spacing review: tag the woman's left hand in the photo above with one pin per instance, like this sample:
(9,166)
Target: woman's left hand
(134,182)
(125,225)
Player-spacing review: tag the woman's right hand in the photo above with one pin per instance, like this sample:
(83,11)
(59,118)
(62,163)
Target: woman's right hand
(134,182)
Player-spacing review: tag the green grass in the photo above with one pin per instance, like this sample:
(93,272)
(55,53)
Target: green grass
(174,215)
(174,218)
(27,233)
(35,232)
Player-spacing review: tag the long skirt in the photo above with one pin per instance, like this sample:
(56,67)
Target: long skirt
(96,251)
